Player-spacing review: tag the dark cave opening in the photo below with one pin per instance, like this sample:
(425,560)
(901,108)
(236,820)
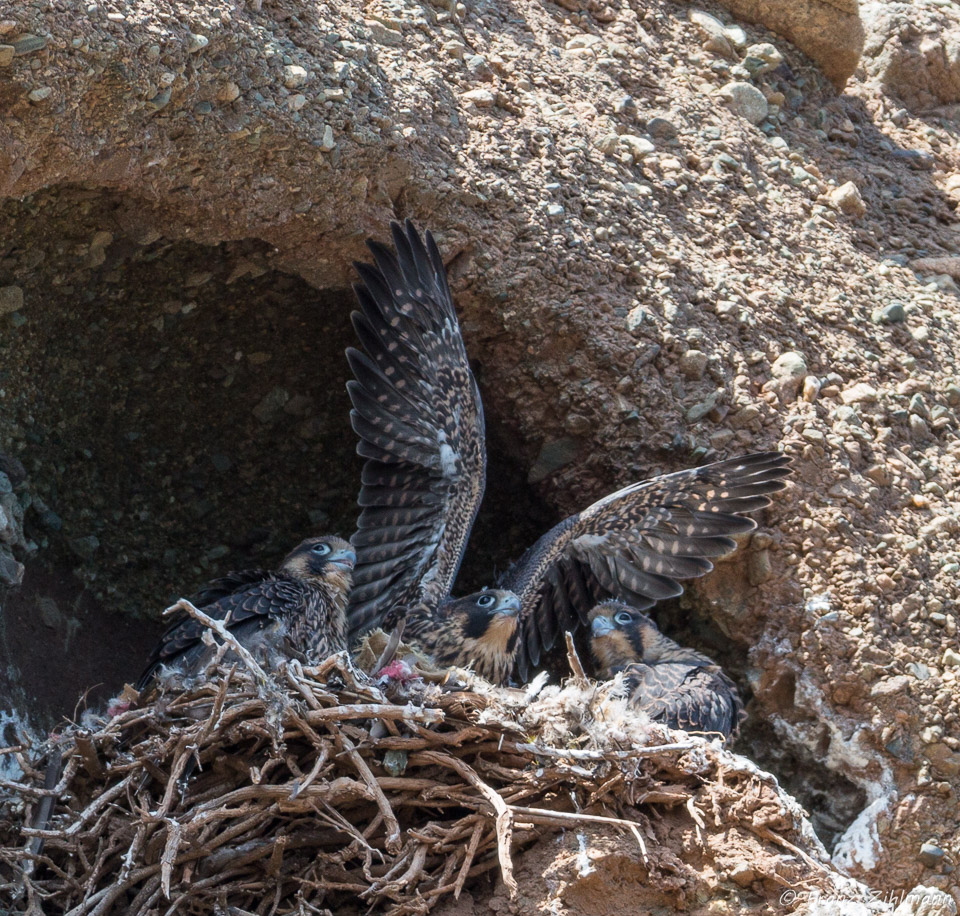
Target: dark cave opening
(180,411)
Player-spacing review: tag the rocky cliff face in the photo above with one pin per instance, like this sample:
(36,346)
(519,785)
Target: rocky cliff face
(667,235)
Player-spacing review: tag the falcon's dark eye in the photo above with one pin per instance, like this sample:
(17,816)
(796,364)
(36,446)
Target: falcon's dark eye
(486,601)
(623,618)
(321,550)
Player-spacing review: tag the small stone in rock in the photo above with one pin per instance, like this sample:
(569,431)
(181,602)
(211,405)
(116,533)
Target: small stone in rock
(85,547)
(11,299)
(661,128)
(270,407)
(693,363)
(931,855)
(482,98)
(11,572)
(890,314)
(745,100)
(762,58)
(294,76)
(29,44)
(788,372)
(847,200)
(638,147)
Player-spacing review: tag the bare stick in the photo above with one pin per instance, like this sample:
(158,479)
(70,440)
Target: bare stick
(170,850)
(228,638)
(389,818)
(468,859)
(573,659)
(409,712)
(504,820)
(576,754)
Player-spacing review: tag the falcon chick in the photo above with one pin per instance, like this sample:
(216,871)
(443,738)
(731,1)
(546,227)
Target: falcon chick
(419,416)
(672,684)
(479,631)
(299,608)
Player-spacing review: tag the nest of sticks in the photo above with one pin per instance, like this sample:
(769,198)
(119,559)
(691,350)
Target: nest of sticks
(310,790)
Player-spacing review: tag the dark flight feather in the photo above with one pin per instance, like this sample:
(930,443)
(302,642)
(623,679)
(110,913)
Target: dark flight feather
(417,411)
(636,544)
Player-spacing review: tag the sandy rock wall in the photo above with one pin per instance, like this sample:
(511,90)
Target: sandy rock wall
(661,243)
(913,51)
(828,31)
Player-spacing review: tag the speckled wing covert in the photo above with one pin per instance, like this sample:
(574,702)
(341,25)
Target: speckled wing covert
(226,585)
(636,544)
(693,694)
(417,411)
(250,608)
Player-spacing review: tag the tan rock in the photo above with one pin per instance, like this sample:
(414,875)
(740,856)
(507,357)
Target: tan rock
(829,32)
(847,200)
(913,51)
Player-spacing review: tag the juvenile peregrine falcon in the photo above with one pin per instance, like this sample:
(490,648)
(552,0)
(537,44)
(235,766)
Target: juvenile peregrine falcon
(302,604)
(672,684)
(417,411)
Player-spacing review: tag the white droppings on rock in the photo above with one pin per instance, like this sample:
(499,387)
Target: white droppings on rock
(860,846)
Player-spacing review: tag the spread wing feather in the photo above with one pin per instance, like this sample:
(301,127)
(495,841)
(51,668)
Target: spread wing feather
(637,545)
(417,411)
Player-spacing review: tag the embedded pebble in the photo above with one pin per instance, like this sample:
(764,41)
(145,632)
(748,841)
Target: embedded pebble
(29,44)
(11,571)
(693,363)
(85,547)
(761,59)
(270,407)
(847,200)
(661,128)
(788,372)
(11,299)
(294,76)
(745,100)
(931,855)
(893,313)
(482,98)
(638,147)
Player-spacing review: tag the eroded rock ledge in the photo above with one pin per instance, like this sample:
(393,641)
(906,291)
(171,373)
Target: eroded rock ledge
(635,245)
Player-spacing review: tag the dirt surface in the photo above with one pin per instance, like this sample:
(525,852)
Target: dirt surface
(652,265)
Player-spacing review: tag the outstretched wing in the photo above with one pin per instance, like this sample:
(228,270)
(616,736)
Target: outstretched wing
(417,411)
(636,544)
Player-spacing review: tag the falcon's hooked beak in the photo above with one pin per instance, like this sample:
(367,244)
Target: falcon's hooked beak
(601,626)
(507,606)
(343,559)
